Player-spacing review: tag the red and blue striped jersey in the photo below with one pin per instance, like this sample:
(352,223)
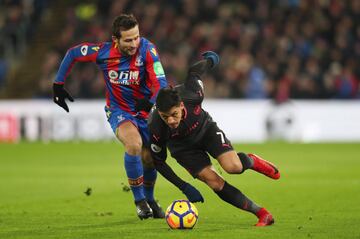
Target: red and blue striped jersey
(126,77)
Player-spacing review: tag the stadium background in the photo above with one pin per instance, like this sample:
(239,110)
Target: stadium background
(275,49)
(272,51)
(289,71)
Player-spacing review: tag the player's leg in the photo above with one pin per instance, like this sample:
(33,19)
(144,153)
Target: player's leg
(233,162)
(234,196)
(128,134)
(262,166)
(230,162)
(150,175)
(219,147)
(124,127)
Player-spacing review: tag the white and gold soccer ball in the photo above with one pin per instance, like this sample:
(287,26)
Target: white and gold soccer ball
(181,214)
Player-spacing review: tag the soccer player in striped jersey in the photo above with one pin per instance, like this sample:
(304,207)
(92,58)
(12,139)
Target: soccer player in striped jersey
(133,75)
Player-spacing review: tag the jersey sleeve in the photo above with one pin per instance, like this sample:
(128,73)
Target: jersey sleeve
(157,138)
(85,52)
(193,80)
(158,148)
(155,73)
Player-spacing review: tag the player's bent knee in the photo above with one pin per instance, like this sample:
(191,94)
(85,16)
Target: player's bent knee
(146,158)
(216,185)
(133,148)
(230,162)
(234,168)
(148,162)
(209,176)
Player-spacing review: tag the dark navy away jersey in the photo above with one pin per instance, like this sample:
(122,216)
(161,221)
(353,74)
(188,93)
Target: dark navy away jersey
(195,118)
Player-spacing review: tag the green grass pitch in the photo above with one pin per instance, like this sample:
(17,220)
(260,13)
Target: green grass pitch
(42,194)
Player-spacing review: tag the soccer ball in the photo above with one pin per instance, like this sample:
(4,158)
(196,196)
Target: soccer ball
(181,214)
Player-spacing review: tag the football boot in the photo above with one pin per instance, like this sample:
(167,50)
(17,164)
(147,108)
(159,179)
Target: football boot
(158,212)
(143,209)
(265,218)
(264,167)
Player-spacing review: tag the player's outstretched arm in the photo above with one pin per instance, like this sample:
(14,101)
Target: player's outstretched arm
(211,59)
(85,52)
(155,72)
(166,171)
(192,193)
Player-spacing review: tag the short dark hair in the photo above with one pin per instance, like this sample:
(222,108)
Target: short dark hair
(123,22)
(167,98)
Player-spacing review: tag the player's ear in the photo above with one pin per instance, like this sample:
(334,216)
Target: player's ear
(114,38)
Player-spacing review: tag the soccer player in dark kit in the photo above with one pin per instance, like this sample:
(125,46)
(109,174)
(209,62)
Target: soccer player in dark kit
(179,123)
(133,76)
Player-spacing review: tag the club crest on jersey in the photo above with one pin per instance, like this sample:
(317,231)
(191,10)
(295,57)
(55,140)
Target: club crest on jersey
(84,50)
(138,61)
(120,118)
(197,110)
(124,77)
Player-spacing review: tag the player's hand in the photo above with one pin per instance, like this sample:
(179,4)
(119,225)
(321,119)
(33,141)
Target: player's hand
(214,57)
(192,193)
(143,104)
(60,94)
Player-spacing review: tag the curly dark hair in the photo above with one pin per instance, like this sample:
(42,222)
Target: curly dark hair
(167,98)
(123,22)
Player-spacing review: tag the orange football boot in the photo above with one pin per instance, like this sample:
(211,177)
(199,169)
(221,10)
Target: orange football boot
(265,218)
(264,167)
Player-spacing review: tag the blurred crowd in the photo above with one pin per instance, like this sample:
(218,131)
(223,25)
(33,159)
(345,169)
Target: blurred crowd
(18,22)
(278,49)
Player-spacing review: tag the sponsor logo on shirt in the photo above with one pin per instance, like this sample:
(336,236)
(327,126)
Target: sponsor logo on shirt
(124,77)
(113,75)
(95,48)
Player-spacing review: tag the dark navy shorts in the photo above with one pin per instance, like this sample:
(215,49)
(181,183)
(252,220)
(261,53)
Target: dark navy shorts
(194,156)
(117,116)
